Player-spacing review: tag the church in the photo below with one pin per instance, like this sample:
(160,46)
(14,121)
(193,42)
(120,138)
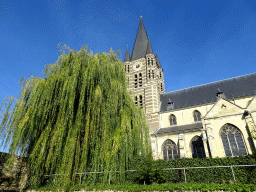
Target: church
(212,120)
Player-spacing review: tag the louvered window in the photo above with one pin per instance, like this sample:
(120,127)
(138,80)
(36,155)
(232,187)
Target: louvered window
(148,61)
(149,74)
(152,74)
(140,79)
(128,68)
(232,140)
(136,100)
(141,101)
(160,74)
(136,81)
(161,86)
(170,150)
(152,61)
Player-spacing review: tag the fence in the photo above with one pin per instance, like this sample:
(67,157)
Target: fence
(184,168)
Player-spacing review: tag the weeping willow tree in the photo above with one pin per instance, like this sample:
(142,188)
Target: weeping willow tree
(78,118)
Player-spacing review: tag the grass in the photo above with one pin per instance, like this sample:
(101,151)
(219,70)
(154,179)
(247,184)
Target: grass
(155,187)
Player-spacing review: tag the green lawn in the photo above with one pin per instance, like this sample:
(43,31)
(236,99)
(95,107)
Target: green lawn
(158,187)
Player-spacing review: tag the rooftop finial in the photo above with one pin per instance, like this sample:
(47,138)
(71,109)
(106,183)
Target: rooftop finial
(127,46)
(141,14)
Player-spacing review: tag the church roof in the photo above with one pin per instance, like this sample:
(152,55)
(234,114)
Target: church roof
(179,128)
(232,88)
(157,61)
(141,42)
(127,55)
(149,48)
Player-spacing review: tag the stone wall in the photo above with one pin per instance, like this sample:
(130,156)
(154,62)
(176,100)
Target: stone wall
(15,179)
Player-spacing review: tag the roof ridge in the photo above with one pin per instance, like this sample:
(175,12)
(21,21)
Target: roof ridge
(210,83)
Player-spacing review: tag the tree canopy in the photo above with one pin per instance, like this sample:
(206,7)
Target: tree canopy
(78,118)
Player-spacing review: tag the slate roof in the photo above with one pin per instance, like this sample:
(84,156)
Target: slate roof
(141,42)
(179,128)
(232,88)
(157,61)
(127,55)
(149,48)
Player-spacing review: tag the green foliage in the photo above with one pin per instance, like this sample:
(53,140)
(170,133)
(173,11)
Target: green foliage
(149,172)
(78,118)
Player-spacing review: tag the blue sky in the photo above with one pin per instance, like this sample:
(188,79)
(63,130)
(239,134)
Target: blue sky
(197,41)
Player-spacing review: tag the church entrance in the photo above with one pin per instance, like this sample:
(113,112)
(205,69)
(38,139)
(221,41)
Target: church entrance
(197,146)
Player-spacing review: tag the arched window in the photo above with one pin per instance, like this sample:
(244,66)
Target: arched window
(128,68)
(141,101)
(161,86)
(136,100)
(160,74)
(148,61)
(232,140)
(197,147)
(136,80)
(173,120)
(152,74)
(152,61)
(149,74)
(197,116)
(140,79)
(170,150)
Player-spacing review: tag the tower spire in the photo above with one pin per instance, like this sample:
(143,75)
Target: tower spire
(141,42)
(127,55)
(141,14)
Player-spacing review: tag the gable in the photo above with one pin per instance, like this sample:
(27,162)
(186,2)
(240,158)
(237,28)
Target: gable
(223,107)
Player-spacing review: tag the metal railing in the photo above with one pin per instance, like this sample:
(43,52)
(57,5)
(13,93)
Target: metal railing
(183,168)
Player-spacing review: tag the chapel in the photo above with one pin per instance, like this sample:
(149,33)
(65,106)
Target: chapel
(211,120)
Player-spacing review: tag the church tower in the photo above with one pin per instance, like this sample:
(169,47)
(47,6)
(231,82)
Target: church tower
(145,77)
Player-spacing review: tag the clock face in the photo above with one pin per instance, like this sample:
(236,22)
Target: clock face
(137,66)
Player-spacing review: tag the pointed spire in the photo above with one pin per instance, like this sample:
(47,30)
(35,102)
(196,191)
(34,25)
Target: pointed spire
(127,55)
(157,61)
(141,42)
(149,48)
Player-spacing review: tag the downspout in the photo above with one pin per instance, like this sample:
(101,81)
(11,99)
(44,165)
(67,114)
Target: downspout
(207,140)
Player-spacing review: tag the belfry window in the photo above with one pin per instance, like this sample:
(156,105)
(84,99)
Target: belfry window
(232,140)
(136,100)
(152,74)
(197,147)
(140,79)
(161,86)
(173,120)
(160,74)
(141,101)
(152,61)
(149,74)
(197,116)
(136,81)
(170,150)
(148,61)
(128,68)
